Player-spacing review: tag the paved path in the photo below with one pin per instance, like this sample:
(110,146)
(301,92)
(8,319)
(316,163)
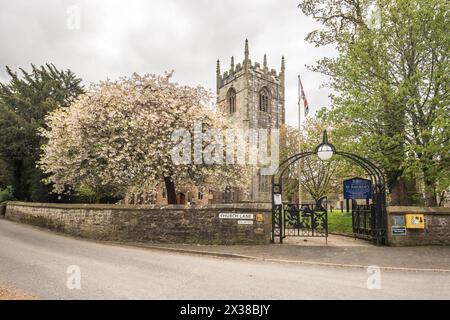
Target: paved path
(35,262)
(340,250)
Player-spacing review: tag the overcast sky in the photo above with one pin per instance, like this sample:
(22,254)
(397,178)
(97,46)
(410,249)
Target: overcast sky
(116,38)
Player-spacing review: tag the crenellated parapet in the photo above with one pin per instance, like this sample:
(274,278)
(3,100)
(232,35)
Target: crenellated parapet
(249,67)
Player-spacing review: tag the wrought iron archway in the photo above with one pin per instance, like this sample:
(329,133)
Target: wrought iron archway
(373,228)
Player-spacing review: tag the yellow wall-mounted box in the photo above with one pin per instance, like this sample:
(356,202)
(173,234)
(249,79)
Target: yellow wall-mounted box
(415,221)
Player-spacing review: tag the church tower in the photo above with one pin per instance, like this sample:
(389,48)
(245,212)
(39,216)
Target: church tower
(253,96)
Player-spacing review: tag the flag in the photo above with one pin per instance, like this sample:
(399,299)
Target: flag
(303,97)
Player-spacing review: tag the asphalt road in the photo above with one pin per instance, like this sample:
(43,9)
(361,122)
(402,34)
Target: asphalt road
(36,262)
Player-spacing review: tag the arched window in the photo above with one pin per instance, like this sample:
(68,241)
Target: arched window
(231,101)
(264,100)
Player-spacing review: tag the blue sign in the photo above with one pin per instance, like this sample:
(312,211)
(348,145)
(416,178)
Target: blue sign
(357,188)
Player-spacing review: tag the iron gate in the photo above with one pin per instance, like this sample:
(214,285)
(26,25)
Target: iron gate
(369,221)
(363,221)
(306,220)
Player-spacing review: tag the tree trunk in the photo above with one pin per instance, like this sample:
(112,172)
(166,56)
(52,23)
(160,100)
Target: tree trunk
(430,193)
(399,193)
(429,181)
(98,195)
(442,198)
(170,189)
(404,193)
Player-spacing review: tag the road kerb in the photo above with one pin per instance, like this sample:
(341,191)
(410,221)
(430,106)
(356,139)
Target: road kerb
(359,266)
(204,253)
(317,263)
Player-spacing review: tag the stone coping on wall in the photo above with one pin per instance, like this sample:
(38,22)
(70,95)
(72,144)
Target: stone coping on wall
(247,206)
(424,210)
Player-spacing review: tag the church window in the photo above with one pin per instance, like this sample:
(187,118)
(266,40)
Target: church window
(264,100)
(231,101)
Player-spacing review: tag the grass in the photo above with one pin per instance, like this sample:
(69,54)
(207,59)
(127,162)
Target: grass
(340,222)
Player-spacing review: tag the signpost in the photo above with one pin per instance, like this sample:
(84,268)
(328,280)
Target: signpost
(245,221)
(398,231)
(242,218)
(233,215)
(277,199)
(357,188)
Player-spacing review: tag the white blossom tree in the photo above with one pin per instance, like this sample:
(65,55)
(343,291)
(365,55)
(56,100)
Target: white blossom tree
(118,137)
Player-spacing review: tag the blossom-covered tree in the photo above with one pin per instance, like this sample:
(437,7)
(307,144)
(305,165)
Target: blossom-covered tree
(118,137)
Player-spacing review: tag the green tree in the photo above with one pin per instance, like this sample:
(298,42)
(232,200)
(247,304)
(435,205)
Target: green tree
(24,102)
(391,83)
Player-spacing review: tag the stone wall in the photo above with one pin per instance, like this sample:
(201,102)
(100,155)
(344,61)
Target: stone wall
(150,223)
(435,232)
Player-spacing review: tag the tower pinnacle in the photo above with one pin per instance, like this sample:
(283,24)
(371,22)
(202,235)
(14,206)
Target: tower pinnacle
(246,49)
(218,75)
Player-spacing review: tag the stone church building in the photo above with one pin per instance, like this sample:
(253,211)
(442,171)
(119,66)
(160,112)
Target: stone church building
(253,96)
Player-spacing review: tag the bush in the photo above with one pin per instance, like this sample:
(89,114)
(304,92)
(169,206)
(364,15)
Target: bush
(6,194)
(84,194)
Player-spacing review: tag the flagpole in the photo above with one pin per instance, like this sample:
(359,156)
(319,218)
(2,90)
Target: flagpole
(299,145)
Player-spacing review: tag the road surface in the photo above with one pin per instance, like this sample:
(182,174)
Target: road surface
(36,262)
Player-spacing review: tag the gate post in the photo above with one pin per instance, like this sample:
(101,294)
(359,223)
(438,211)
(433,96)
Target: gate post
(280,221)
(380,215)
(277,207)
